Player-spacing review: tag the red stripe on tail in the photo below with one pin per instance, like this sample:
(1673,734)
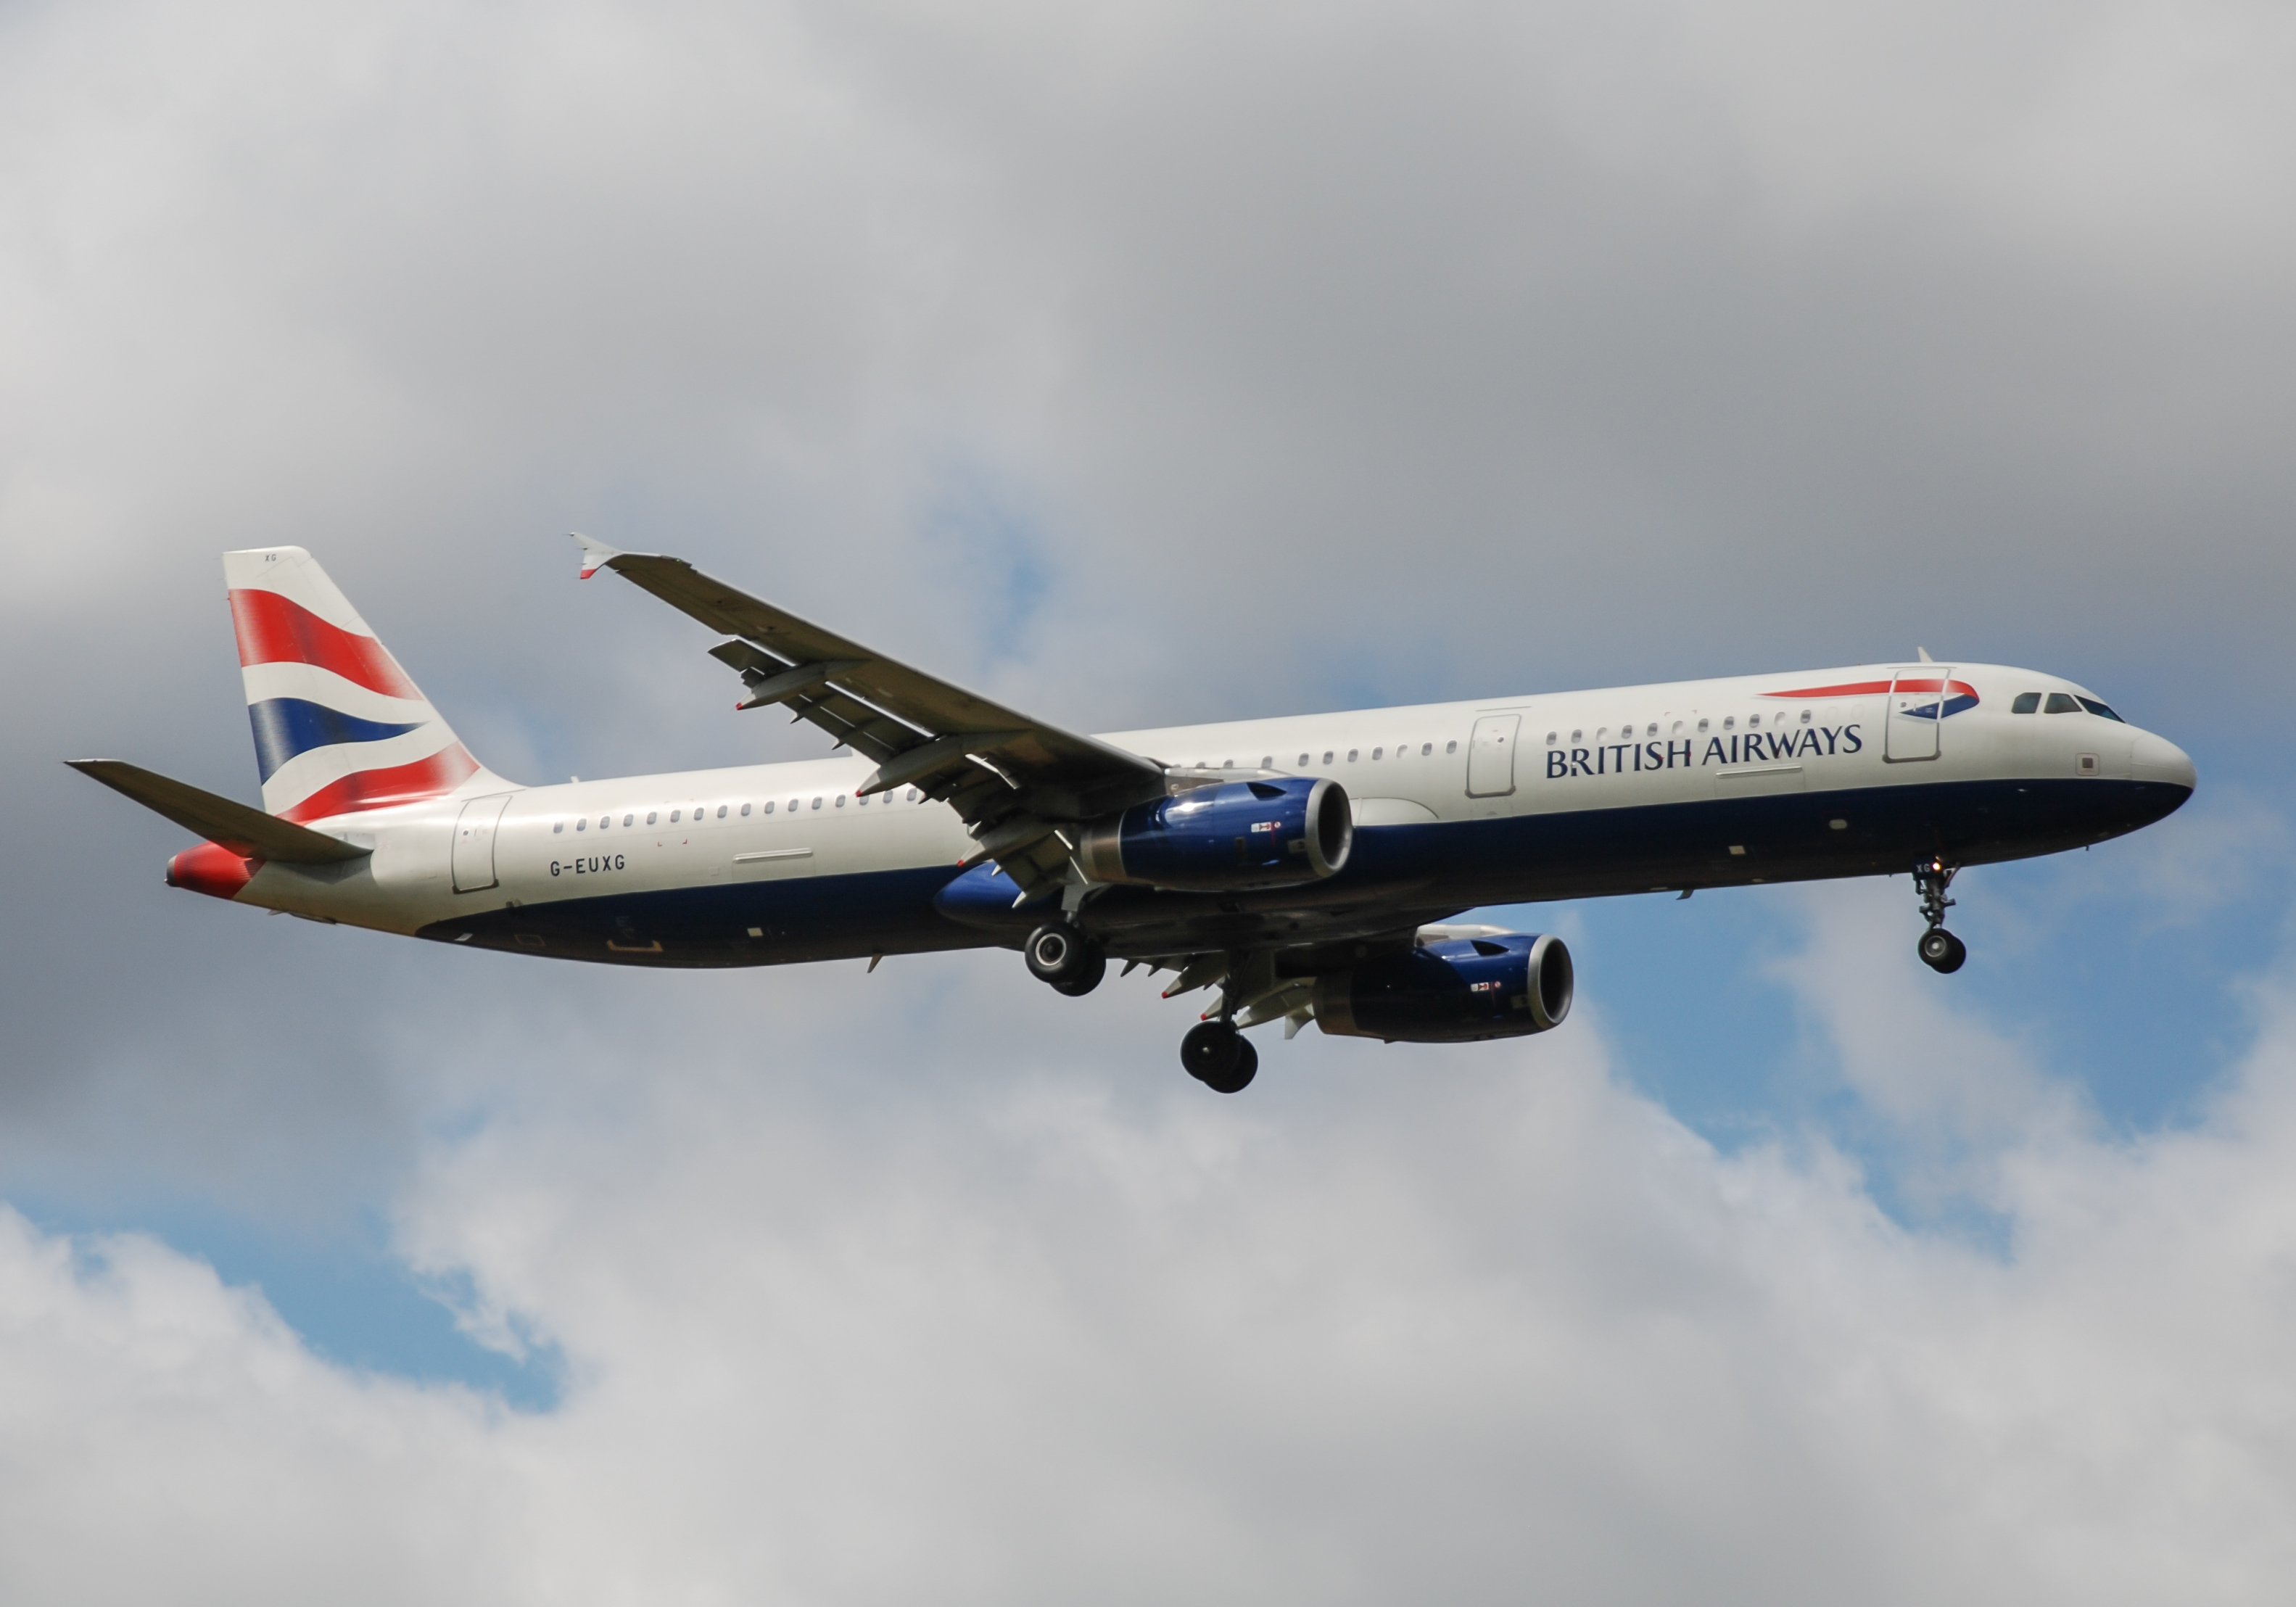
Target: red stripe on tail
(432,777)
(274,630)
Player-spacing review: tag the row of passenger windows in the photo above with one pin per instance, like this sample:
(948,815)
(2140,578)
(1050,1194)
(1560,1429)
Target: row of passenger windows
(2027,702)
(653,816)
(1427,750)
(2060,702)
(1331,756)
(1681,728)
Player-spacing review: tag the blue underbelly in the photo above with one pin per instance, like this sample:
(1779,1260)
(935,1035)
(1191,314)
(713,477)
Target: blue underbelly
(1395,873)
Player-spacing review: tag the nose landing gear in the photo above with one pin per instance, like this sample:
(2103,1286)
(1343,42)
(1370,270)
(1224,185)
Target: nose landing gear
(1939,949)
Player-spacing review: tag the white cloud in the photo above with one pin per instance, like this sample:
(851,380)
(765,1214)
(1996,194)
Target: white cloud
(1937,1079)
(1010,1326)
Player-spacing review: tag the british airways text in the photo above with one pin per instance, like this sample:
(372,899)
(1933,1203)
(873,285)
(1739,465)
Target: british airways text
(1747,747)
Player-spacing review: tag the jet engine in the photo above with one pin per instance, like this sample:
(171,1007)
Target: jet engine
(1451,992)
(1227,838)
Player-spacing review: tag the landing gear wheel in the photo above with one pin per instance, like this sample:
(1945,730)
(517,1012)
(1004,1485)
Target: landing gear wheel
(1095,966)
(1939,949)
(1059,954)
(1217,1055)
(1942,951)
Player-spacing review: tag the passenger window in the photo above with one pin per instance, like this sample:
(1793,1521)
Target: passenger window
(652,815)
(2027,702)
(1729,720)
(840,800)
(1303,759)
(1579,736)
(1379,752)
(582,824)
(675,816)
(2061,703)
(629,819)
(794,802)
(2100,711)
(745,808)
(721,811)
(1450,747)
(817,803)
(604,821)
(1267,761)
(1701,725)
(861,799)
(1351,755)
(557,826)
(1427,747)
(770,805)
(1327,756)
(915,796)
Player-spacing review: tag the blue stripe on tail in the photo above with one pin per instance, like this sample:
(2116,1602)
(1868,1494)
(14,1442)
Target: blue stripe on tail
(287,727)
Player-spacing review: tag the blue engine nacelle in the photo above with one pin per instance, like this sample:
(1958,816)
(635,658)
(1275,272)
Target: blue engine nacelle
(1451,992)
(1226,839)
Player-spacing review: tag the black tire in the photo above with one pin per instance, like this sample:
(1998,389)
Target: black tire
(1095,966)
(1217,1055)
(1058,953)
(1239,1075)
(1211,1050)
(1942,951)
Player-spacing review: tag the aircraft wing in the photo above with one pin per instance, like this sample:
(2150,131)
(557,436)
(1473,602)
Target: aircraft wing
(1016,782)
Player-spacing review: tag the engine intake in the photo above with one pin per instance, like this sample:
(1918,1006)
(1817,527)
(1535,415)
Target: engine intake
(1226,839)
(1452,992)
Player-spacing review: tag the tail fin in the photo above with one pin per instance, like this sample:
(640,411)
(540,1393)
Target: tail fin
(339,727)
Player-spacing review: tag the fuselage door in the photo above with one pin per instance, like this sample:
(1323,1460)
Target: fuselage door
(474,843)
(1490,756)
(1917,710)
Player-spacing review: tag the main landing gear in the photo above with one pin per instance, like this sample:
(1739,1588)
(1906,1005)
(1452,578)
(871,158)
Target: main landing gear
(1220,1057)
(1214,1052)
(1059,954)
(1939,949)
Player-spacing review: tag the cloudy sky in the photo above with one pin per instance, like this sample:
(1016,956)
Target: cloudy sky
(1145,365)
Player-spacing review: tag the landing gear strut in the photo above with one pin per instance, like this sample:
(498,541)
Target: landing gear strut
(1939,949)
(1059,954)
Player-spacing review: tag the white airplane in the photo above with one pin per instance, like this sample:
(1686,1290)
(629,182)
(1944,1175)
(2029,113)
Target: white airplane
(1303,866)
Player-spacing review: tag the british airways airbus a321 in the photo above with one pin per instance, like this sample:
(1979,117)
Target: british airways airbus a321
(1304,867)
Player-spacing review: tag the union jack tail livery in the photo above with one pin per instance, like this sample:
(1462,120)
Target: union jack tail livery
(338,725)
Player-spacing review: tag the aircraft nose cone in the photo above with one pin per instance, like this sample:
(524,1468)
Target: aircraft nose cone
(2157,759)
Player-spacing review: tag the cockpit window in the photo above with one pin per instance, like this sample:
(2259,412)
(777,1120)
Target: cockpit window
(2061,702)
(2100,711)
(2027,702)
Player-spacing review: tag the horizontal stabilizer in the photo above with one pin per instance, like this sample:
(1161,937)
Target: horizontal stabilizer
(246,831)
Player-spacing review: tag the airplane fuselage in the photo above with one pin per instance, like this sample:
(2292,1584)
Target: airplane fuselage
(1646,789)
